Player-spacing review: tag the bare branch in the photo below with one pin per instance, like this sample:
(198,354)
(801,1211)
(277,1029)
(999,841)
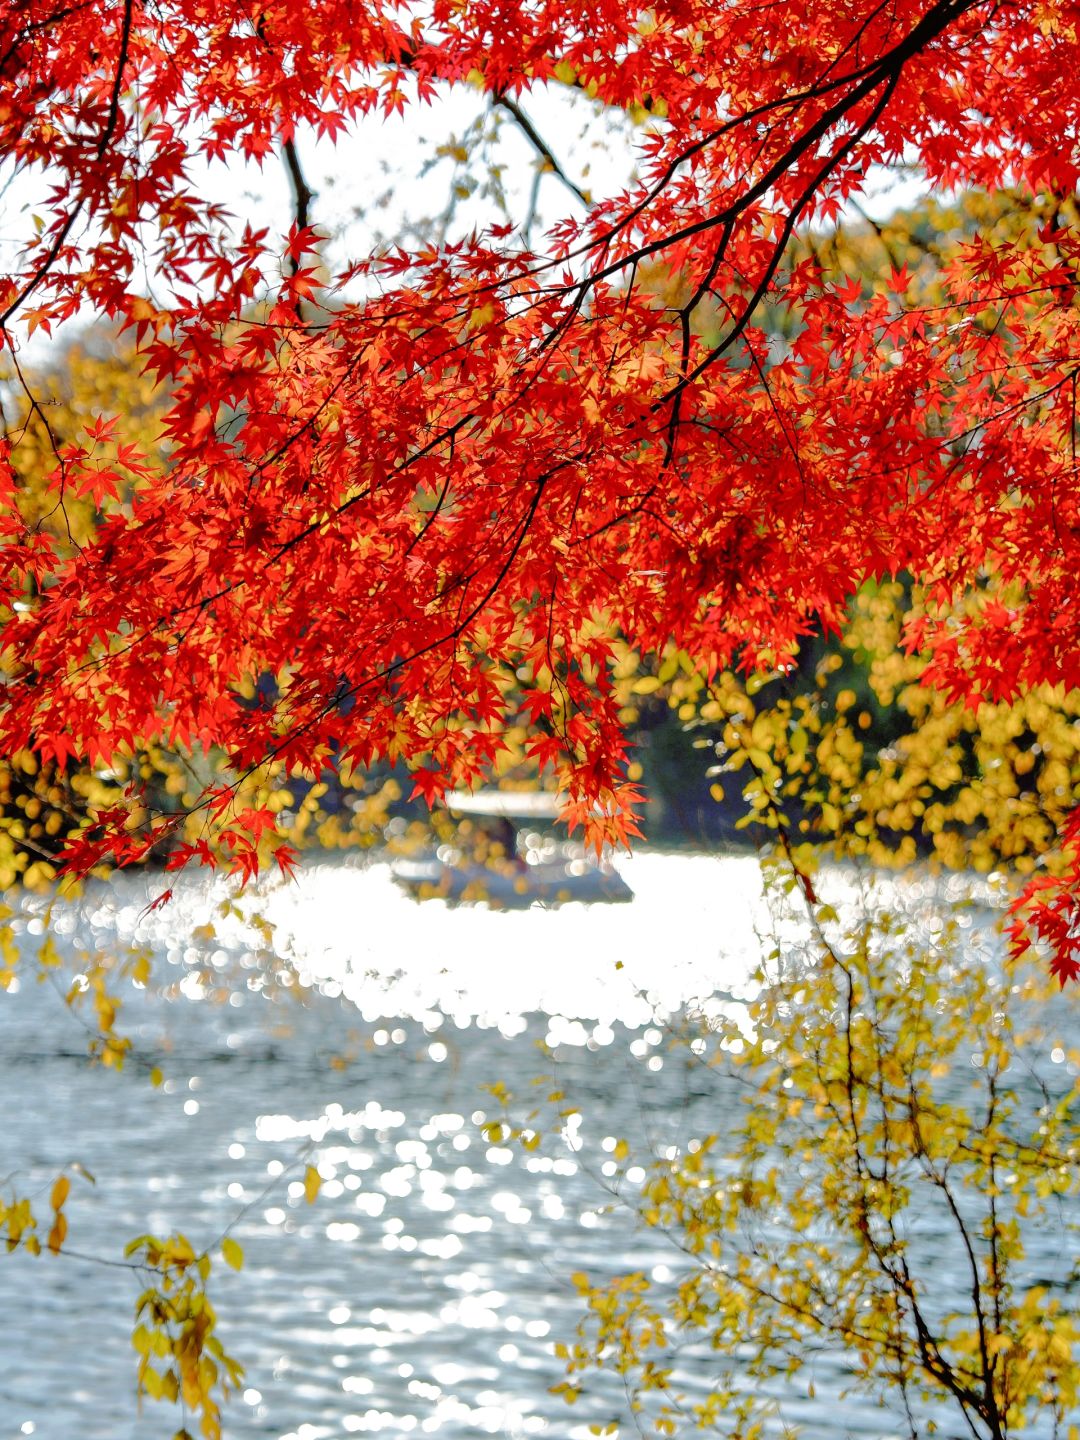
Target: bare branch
(540,145)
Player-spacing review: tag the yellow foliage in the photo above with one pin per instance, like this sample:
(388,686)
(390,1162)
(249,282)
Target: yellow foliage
(180,1355)
(879,1106)
(858,755)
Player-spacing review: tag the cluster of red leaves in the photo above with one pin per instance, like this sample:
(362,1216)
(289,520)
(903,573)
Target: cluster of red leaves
(1047,913)
(431,493)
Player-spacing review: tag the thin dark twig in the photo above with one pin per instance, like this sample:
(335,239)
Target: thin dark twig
(540,145)
(303,194)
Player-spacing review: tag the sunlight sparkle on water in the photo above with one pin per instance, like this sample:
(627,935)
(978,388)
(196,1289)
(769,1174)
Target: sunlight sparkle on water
(691,928)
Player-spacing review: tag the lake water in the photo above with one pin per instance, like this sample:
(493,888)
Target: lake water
(422,1293)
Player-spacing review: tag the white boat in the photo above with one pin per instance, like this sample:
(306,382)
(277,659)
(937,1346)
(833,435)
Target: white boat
(510,864)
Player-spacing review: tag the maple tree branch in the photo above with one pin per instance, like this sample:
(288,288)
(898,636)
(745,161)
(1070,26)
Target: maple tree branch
(348,692)
(118,81)
(940,16)
(105,140)
(38,26)
(869,75)
(47,262)
(790,436)
(35,408)
(437,508)
(197,607)
(885,70)
(927,27)
(540,145)
(760,290)
(303,194)
(676,391)
(302,198)
(445,435)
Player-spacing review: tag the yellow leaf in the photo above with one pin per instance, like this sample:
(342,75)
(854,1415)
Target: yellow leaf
(58,1233)
(312,1184)
(178,1251)
(59,1192)
(482,315)
(232,1252)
